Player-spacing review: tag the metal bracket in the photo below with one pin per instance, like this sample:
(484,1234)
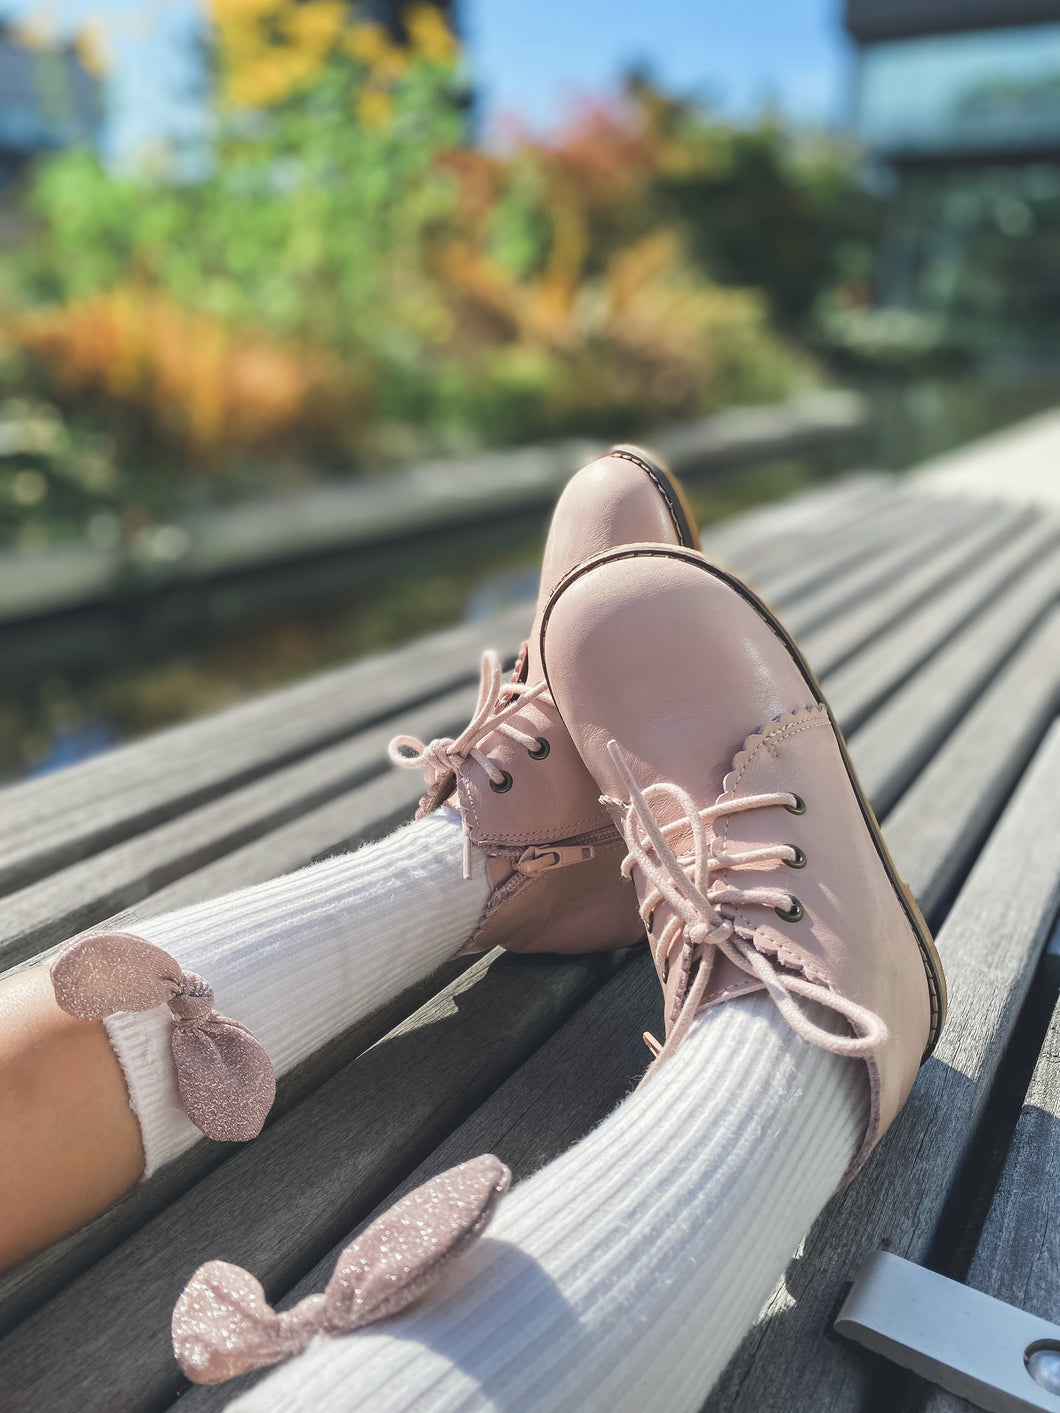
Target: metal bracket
(997,1356)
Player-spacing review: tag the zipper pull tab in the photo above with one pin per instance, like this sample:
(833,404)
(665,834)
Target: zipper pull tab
(537,860)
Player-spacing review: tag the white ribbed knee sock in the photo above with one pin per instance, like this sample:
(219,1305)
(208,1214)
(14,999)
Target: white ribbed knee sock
(621,1277)
(300,958)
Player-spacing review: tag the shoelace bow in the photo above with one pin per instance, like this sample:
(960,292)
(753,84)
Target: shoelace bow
(695,901)
(441,758)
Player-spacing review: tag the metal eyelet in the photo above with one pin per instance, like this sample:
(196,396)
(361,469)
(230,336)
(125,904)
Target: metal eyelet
(791,914)
(799,861)
(651,922)
(504,786)
(799,807)
(542,751)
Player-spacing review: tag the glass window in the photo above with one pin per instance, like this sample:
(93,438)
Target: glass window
(987,91)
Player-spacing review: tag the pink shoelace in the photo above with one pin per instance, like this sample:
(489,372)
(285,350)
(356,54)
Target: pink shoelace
(498,701)
(694,891)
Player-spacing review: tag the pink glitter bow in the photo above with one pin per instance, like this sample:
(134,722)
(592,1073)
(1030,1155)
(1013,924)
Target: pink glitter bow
(223,1073)
(223,1326)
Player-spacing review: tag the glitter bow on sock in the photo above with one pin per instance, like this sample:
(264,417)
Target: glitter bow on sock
(223,1073)
(223,1326)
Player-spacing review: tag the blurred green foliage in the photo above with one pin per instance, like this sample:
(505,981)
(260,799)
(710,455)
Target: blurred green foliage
(349,280)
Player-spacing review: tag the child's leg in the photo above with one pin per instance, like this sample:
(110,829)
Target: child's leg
(71,1143)
(621,1277)
(296,960)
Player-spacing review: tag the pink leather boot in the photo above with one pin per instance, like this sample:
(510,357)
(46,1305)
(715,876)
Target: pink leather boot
(526,799)
(757,860)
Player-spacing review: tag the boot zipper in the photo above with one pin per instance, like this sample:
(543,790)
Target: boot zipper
(537,860)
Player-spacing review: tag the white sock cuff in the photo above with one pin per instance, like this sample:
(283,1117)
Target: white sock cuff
(300,958)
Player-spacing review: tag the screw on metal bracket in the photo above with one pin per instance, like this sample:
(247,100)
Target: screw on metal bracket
(997,1356)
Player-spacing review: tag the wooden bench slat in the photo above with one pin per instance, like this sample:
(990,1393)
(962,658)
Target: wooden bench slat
(536,1115)
(546,1105)
(29,1285)
(58,819)
(829,648)
(50,822)
(905,545)
(938,695)
(1018,1255)
(539,1109)
(275,1206)
(46,912)
(811,552)
(862,683)
(989,945)
(939,823)
(330,826)
(369,812)
(81,894)
(767,537)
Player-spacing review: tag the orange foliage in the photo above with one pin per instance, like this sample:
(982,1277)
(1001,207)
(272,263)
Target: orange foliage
(214,390)
(612,295)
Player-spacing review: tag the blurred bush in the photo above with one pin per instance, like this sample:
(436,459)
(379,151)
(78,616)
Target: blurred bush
(160,373)
(347,279)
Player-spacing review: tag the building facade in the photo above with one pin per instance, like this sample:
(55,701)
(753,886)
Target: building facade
(959,102)
(48,100)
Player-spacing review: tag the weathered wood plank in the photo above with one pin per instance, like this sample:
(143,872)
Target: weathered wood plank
(228,871)
(51,909)
(370,811)
(433,1070)
(907,543)
(81,894)
(862,682)
(48,823)
(547,1104)
(938,825)
(764,536)
(944,687)
(327,828)
(989,946)
(1018,1256)
(544,1108)
(30,1284)
(818,555)
(832,646)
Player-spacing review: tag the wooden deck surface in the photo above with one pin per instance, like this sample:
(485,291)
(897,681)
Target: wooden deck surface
(934,623)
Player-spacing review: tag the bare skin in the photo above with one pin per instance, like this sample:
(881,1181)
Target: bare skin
(71,1142)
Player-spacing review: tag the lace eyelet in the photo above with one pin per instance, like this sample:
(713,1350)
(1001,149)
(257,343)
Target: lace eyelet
(792,914)
(542,751)
(504,786)
(799,807)
(651,922)
(799,861)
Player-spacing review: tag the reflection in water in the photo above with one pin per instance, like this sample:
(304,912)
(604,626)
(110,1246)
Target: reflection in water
(76,685)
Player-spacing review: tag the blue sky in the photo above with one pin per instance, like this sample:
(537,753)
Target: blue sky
(528,59)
